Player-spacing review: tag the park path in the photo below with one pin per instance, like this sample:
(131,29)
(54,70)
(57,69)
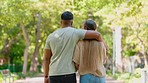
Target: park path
(40,79)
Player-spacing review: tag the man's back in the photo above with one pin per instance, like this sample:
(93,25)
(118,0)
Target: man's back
(62,43)
(58,52)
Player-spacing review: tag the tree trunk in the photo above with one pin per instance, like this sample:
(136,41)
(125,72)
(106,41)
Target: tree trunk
(143,52)
(34,63)
(118,36)
(6,48)
(26,37)
(114,53)
(145,58)
(146,54)
(143,45)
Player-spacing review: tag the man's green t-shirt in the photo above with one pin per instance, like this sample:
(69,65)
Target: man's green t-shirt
(62,43)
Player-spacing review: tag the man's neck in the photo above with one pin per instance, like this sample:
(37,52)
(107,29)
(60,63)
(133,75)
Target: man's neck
(66,26)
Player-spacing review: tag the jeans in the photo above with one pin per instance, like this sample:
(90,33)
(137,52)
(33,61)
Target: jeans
(89,78)
(70,78)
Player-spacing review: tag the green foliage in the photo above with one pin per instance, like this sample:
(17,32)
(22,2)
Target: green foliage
(127,77)
(16,53)
(1,78)
(16,67)
(131,15)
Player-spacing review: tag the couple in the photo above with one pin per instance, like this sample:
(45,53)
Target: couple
(65,51)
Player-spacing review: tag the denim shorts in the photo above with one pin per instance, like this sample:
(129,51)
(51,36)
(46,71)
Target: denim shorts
(89,78)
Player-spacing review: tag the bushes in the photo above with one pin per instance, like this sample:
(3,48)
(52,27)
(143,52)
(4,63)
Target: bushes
(127,77)
(17,67)
(12,68)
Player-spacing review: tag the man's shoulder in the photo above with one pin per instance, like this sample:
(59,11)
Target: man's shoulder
(65,29)
(54,32)
(74,28)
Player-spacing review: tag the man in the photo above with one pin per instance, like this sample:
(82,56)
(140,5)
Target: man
(59,50)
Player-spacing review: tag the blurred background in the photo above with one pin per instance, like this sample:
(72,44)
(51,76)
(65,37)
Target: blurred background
(25,25)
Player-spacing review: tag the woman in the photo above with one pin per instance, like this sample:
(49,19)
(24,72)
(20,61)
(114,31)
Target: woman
(89,57)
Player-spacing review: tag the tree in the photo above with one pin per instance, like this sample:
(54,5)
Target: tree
(27,41)
(34,62)
(18,16)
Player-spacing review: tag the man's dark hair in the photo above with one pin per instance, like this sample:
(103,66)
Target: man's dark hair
(67,16)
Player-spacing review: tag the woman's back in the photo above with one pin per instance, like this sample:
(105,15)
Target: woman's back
(90,55)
